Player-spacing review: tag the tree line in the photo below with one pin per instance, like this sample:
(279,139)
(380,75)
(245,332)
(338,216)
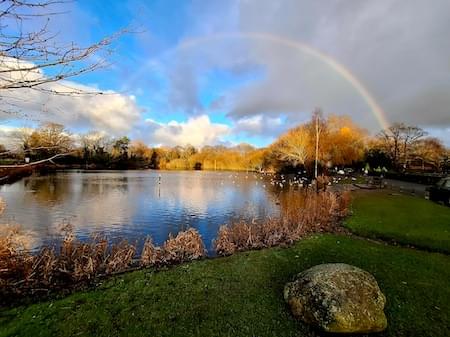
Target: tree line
(326,142)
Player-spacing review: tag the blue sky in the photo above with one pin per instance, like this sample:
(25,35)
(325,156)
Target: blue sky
(229,88)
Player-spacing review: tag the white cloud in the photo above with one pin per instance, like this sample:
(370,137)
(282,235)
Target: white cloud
(8,136)
(107,111)
(111,112)
(259,125)
(197,131)
(442,133)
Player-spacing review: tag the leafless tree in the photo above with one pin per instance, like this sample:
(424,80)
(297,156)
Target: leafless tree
(398,140)
(31,56)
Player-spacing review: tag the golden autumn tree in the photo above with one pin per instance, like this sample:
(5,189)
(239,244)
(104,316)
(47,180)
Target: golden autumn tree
(48,140)
(344,141)
(429,150)
(256,158)
(337,140)
(295,146)
(140,150)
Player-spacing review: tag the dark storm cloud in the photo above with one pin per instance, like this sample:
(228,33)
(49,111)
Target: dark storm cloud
(399,50)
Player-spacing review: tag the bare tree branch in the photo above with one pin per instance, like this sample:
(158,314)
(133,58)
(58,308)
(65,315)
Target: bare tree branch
(4,153)
(26,53)
(39,161)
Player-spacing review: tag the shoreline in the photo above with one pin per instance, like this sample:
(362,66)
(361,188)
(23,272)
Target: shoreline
(14,174)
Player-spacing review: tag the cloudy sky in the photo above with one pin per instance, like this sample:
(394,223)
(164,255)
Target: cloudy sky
(224,72)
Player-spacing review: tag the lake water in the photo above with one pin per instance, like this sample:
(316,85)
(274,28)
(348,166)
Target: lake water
(135,204)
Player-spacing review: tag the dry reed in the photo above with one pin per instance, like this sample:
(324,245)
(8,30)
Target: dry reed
(186,246)
(151,255)
(302,213)
(121,257)
(15,264)
(22,273)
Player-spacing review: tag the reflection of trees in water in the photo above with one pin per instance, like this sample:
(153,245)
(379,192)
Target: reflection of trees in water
(129,203)
(93,186)
(48,189)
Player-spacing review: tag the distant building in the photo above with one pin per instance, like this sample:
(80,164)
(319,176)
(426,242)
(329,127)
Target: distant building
(420,165)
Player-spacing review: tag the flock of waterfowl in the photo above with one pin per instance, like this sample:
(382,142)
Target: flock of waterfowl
(296,180)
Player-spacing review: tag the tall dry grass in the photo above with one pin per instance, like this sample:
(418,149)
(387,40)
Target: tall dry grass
(75,262)
(15,264)
(186,246)
(302,213)
(22,273)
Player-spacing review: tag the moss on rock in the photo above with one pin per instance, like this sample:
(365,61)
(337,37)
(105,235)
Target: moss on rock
(337,298)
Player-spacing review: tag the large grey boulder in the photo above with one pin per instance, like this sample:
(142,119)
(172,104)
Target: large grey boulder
(337,298)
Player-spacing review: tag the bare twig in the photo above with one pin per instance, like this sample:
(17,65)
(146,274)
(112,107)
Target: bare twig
(39,161)
(26,51)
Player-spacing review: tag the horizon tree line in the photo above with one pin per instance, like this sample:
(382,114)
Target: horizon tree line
(341,143)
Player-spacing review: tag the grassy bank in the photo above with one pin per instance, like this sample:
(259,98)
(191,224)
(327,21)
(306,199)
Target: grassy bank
(241,295)
(401,218)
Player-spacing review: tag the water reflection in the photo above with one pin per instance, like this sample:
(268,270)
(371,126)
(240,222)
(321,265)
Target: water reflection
(134,204)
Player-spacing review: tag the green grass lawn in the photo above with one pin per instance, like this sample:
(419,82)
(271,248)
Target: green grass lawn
(404,219)
(241,295)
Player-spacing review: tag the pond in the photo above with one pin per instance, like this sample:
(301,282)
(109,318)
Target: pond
(135,204)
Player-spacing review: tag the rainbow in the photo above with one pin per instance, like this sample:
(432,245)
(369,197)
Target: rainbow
(301,47)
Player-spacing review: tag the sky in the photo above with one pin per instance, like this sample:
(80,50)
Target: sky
(226,72)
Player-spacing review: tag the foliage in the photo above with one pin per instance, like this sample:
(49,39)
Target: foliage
(21,273)
(186,246)
(15,265)
(340,143)
(376,157)
(241,295)
(95,147)
(46,141)
(429,150)
(120,147)
(345,141)
(295,146)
